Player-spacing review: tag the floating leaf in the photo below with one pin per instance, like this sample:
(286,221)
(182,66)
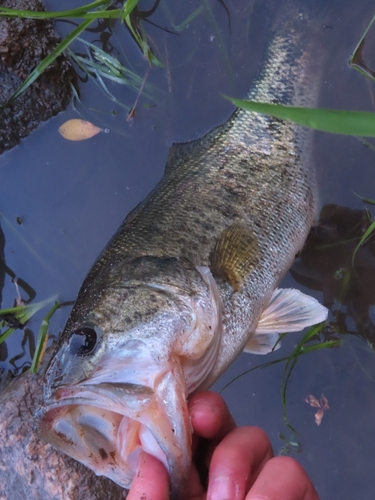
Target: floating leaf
(78,130)
(318,416)
(312,401)
(322,405)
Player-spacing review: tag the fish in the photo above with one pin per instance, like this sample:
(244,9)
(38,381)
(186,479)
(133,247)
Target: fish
(189,281)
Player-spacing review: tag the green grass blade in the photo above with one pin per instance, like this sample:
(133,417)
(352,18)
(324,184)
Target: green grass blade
(283,389)
(128,8)
(22,314)
(180,27)
(291,361)
(357,53)
(6,334)
(43,65)
(327,120)
(362,38)
(367,234)
(42,339)
(72,13)
(305,350)
(365,200)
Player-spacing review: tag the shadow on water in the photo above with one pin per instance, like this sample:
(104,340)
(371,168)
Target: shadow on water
(71,197)
(3,347)
(326,264)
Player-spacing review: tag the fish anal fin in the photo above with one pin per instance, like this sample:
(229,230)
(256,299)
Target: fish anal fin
(235,255)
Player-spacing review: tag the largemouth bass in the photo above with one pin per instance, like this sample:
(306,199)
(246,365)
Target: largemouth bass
(188,282)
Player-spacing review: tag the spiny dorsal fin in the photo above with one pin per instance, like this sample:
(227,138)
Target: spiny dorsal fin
(235,255)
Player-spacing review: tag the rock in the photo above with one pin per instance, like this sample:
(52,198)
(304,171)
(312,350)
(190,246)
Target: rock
(32,469)
(23,45)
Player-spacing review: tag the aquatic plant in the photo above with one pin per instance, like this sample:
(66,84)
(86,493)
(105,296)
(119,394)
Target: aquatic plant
(42,338)
(370,230)
(304,346)
(356,60)
(14,318)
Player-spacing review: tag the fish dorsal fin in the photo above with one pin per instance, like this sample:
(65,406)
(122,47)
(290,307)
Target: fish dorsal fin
(180,151)
(289,310)
(235,255)
(177,153)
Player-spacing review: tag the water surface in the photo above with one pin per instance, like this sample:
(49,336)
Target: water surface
(71,197)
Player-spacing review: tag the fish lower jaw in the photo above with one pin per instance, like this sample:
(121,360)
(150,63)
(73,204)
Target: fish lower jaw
(107,442)
(74,431)
(106,426)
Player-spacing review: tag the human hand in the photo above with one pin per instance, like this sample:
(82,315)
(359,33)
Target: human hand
(240,461)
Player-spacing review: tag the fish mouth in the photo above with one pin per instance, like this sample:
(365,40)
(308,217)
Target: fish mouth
(105,426)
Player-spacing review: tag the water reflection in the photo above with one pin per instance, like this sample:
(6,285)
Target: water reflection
(326,264)
(3,346)
(26,348)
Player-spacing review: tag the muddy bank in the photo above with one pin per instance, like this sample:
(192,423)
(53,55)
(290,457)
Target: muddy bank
(23,45)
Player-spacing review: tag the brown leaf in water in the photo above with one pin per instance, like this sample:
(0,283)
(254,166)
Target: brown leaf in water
(78,130)
(312,401)
(322,405)
(318,416)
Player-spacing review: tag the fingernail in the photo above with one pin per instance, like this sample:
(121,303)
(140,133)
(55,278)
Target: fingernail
(221,488)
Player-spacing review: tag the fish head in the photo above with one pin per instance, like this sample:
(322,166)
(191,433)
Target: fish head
(122,370)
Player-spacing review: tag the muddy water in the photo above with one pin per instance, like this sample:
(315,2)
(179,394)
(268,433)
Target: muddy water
(60,202)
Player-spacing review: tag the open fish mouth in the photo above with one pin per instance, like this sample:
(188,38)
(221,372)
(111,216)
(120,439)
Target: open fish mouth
(105,426)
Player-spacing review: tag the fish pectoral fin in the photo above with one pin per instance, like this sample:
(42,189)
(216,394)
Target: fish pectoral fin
(289,310)
(235,255)
(262,344)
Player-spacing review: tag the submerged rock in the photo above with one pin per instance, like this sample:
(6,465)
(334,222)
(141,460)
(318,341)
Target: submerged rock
(24,43)
(32,469)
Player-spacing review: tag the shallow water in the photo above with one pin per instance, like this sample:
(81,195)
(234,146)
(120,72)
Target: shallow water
(71,197)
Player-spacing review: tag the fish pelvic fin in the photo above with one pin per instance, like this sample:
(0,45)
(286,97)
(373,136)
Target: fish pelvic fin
(289,310)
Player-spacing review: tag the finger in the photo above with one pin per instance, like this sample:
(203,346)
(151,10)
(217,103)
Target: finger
(210,416)
(151,480)
(236,462)
(282,478)
(195,488)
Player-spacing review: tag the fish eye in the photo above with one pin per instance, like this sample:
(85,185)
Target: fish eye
(83,341)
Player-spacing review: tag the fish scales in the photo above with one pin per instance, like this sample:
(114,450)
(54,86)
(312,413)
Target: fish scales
(185,284)
(250,170)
